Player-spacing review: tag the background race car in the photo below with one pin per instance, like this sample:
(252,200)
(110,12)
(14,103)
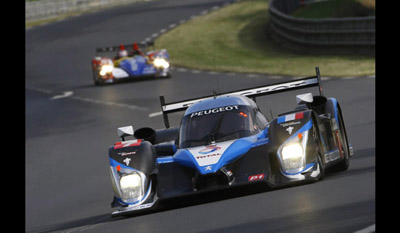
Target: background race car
(122,64)
(225,141)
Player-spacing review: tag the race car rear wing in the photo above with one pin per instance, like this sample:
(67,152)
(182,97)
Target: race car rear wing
(251,93)
(116,48)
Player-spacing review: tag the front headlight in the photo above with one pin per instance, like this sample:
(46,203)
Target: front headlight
(161,63)
(131,187)
(105,69)
(293,157)
(292,153)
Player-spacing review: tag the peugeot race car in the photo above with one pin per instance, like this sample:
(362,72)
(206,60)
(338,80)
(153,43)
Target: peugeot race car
(123,64)
(225,141)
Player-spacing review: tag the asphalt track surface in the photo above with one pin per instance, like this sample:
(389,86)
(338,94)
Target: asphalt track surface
(70,123)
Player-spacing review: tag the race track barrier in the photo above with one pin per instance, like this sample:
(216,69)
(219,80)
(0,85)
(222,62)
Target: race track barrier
(42,9)
(330,35)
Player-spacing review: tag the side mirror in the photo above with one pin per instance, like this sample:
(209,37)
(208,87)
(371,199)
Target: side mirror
(304,98)
(125,131)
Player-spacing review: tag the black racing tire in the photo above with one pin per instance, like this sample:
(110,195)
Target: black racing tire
(320,160)
(321,168)
(345,163)
(96,79)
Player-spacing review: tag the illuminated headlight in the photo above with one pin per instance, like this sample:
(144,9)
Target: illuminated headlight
(292,151)
(161,63)
(131,187)
(105,69)
(292,157)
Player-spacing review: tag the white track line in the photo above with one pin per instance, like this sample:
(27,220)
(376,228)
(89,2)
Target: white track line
(368,229)
(65,95)
(154,114)
(69,94)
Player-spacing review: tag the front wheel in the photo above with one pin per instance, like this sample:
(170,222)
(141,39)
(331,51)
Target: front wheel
(96,78)
(317,138)
(321,169)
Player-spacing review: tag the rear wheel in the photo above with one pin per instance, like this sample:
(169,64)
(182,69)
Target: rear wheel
(343,146)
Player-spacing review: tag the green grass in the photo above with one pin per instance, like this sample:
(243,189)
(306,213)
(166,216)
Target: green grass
(235,39)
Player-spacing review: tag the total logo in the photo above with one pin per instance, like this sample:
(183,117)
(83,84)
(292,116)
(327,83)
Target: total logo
(209,149)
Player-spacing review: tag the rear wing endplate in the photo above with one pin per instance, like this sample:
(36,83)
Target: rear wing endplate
(251,93)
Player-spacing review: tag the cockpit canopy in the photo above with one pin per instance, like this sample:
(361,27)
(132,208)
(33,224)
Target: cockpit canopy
(228,122)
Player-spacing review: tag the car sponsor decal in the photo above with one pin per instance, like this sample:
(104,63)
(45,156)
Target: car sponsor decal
(119,73)
(290,123)
(123,144)
(214,110)
(210,154)
(209,149)
(289,129)
(256,177)
(290,117)
(127,153)
(127,161)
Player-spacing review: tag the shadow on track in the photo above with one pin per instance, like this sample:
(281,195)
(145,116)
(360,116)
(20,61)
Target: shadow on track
(213,196)
(352,171)
(170,204)
(73,224)
(342,218)
(119,82)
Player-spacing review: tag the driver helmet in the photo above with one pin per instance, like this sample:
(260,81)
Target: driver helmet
(122,53)
(135,46)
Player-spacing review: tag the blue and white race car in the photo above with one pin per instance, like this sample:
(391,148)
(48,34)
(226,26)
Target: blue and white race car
(225,141)
(129,65)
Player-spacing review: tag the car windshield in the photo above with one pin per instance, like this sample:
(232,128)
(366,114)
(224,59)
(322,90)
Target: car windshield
(216,125)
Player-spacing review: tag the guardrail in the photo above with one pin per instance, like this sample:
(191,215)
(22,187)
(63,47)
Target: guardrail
(331,35)
(42,9)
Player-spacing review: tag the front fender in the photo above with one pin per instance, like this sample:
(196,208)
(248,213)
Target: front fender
(134,157)
(298,127)
(288,125)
